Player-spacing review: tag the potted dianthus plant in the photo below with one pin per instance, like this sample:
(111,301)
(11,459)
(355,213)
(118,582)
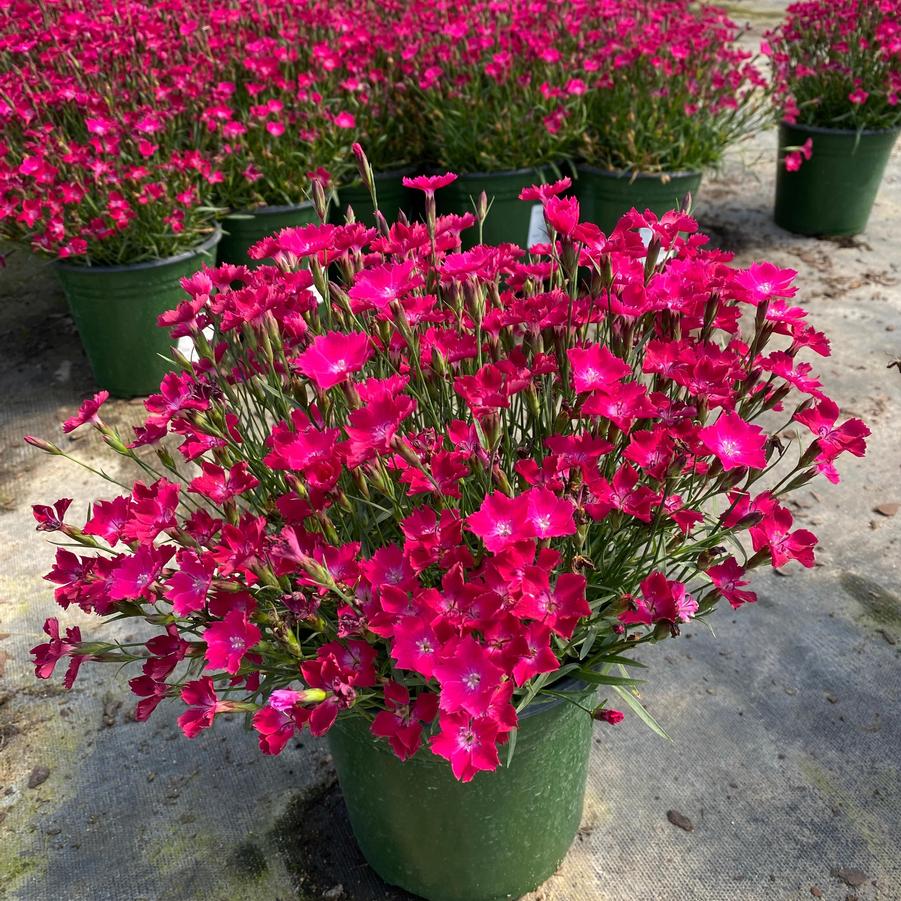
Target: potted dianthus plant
(837,85)
(274,118)
(499,104)
(106,187)
(437,505)
(387,118)
(669,91)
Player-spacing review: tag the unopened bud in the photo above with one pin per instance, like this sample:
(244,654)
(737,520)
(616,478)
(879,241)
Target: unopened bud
(45,446)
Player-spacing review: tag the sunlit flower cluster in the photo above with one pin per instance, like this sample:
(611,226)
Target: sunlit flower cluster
(426,486)
(837,64)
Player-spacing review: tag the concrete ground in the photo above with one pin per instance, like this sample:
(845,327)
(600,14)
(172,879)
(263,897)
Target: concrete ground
(785,725)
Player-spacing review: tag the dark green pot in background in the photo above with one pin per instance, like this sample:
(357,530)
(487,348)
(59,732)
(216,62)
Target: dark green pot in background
(497,837)
(510,220)
(605,195)
(242,230)
(833,192)
(115,309)
(393,198)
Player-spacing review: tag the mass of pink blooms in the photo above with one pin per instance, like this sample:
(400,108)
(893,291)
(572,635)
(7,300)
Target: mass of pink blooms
(426,486)
(129,127)
(837,64)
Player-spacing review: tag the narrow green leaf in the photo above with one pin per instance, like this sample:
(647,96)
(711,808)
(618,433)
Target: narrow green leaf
(622,661)
(604,679)
(638,709)
(588,643)
(511,746)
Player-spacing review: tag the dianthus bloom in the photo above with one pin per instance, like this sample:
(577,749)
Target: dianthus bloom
(449,483)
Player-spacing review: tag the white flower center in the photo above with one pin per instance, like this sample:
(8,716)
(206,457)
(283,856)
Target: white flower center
(729,447)
(472,680)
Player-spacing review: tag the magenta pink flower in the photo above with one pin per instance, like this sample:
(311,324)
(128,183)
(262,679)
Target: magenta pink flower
(283,715)
(727,576)
(108,519)
(595,367)
(832,441)
(660,600)
(50,519)
(203,705)
(794,158)
(429,183)
(152,693)
(47,655)
(467,677)
(135,574)
(763,281)
(469,743)
(372,428)
(773,533)
(402,722)
(534,654)
(415,646)
(229,640)
(625,494)
(559,608)
(735,442)
(189,585)
(622,403)
(332,357)
(88,412)
(221,486)
(300,446)
(500,521)
(562,214)
(548,515)
(609,715)
(378,287)
(542,192)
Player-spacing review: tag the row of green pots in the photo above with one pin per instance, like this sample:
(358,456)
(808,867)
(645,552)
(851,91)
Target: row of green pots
(115,307)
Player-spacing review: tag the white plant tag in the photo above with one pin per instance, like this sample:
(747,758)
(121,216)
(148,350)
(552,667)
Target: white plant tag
(537,227)
(186,345)
(646,235)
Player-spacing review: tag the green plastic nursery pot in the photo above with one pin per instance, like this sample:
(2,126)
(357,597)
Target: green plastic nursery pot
(833,192)
(115,309)
(605,195)
(510,220)
(499,836)
(392,196)
(242,230)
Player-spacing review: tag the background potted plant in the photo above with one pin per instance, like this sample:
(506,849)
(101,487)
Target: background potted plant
(670,90)
(388,120)
(273,117)
(103,182)
(836,69)
(433,515)
(498,99)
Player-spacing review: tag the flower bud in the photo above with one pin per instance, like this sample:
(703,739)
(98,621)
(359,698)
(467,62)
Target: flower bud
(45,446)
(320,201)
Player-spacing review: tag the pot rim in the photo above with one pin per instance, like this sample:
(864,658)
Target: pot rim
(497,173)
(268,210)
(197,250)
(823,130)
(399,171)
(637,176)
